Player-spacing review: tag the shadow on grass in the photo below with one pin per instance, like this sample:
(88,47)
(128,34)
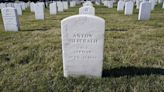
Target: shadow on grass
(37,29)
(115,29)
(132,71)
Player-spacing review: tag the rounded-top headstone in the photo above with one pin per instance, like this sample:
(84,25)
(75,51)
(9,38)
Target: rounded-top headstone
(10,19)
(82,45)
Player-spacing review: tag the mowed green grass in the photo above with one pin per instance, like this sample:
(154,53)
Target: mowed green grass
(31,60)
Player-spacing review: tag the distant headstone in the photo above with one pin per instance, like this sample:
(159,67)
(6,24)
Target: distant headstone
(144,11)
(9,5)
(87,10)
(65,5)
(129,8)
(152,4)
(120,5)
(10,19)
(82,45)
(110,4)
(87,3)
(163,5)
(72,3)
(60,6)
(53,8)
(23,6)
(2,5)
(32,7)
(18,8)
(39,11)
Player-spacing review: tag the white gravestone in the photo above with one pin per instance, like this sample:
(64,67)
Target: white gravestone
(9,5)
(10,19)
(88,3)
(110,4)
(32,7)
(105,3)
(53,8)
(129,8)
(163,5)
(60,6)
(120,5)
(2,5)
(87,10)
(18,8)
(152,4)
(72,4)
(82,45)
(23,5)
(65,5)
(39,11)
(144,11)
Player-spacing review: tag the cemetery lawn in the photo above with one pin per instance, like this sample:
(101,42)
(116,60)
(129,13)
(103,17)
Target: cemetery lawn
(31,60)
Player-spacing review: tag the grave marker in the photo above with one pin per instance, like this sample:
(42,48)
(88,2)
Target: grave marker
(53,8)
(39,11)
(129,8)
(18,8)
(10,19)
(82,45)
(60,6)
(32,7)
(120,5)
(87,10)
(65,5)
(144,11)
(110,4)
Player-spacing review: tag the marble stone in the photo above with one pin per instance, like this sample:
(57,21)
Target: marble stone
(152,4)
(87,3)
(23,5)
(129,8)
(65,5)
(82,45)
(120,5)
(144,11)
(18,8)
(87,10)
(39,11)
(72,4)
(110,4)
(53,8)
(9,5)
(32,7)
(2,5)
(10,19)
(163,5)
(60,6)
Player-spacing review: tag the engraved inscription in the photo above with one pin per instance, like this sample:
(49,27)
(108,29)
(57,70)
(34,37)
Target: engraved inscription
(82,52)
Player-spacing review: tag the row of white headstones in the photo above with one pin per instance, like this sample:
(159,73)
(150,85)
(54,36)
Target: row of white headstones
(11,11)
(145,7)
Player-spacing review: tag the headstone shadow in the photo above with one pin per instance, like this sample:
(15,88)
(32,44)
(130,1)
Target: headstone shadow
(116,29)
(132,71)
